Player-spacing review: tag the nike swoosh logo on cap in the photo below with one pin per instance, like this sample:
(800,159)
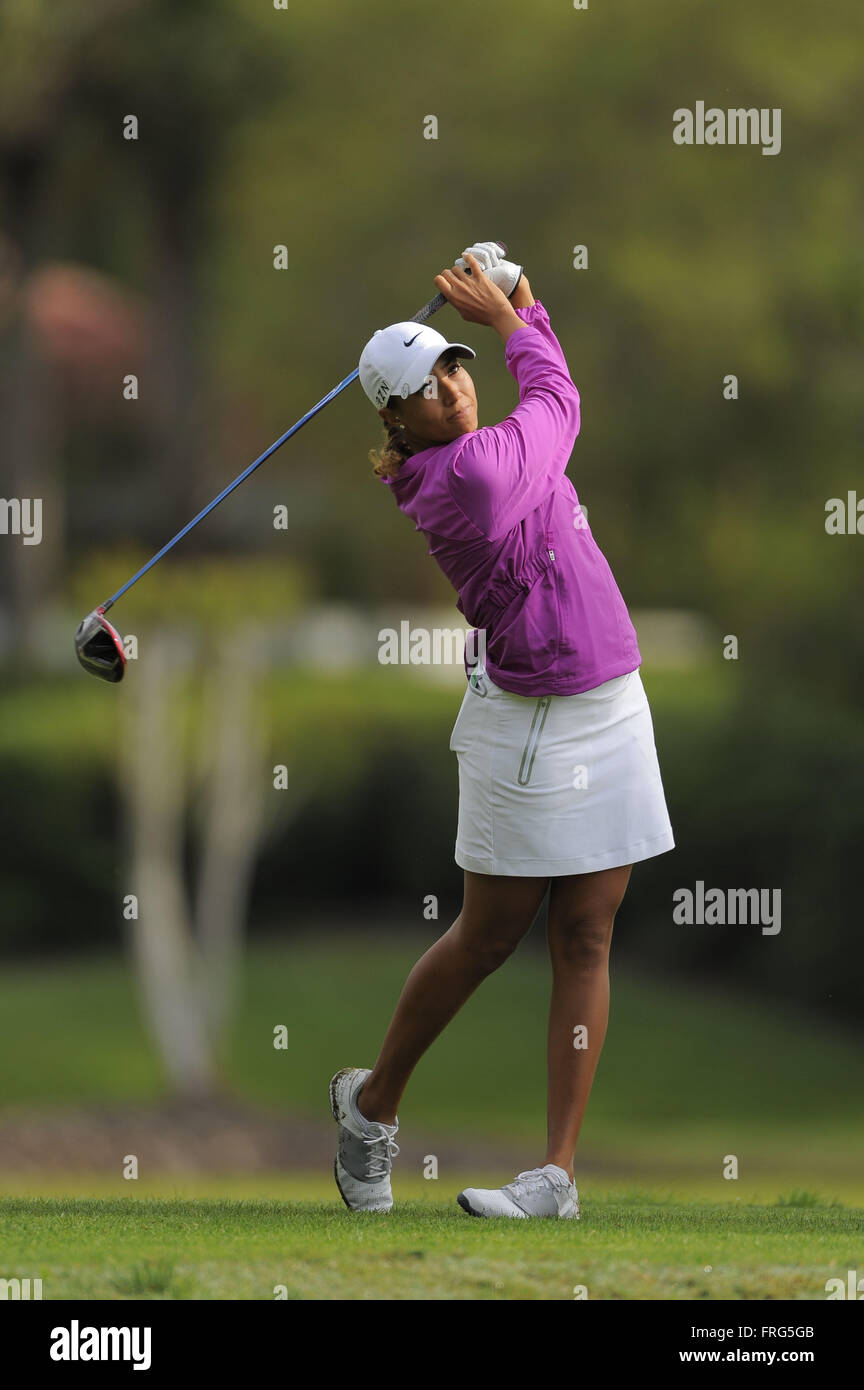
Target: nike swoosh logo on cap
(411,340)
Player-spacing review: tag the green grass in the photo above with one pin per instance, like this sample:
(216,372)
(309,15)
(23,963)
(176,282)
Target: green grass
(624,1247)
(686,1077)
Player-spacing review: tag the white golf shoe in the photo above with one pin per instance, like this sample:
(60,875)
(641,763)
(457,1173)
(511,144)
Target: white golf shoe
(366,1147)
(538,1192)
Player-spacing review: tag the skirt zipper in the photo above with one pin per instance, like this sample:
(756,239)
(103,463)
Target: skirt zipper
(526,766)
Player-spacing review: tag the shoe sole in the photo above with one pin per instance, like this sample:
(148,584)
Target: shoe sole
(333,1085)
(482,1215)
(338,1184)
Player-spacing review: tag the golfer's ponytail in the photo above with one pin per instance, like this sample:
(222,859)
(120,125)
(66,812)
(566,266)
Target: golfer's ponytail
(389,459)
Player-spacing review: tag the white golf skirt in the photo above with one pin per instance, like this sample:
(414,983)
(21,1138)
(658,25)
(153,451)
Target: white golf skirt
(557,784)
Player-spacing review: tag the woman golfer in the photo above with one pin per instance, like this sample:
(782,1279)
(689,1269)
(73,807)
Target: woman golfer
(559,782)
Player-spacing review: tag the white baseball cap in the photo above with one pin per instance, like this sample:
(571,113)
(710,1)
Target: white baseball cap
(398,360)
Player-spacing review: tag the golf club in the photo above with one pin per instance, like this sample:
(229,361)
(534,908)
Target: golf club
(98,645)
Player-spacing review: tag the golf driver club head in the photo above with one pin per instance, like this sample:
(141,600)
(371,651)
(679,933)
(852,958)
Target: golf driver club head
(99,647)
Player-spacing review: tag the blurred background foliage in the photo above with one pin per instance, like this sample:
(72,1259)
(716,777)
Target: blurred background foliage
(304,127)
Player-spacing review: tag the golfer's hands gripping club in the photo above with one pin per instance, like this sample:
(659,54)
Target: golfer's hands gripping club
(505,274)
(473,295)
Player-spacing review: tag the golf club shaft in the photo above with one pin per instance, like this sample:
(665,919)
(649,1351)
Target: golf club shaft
(421,316)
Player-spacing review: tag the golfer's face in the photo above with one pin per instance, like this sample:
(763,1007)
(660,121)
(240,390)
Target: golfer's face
(444,408)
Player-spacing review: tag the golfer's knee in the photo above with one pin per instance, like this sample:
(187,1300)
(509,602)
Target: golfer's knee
(580,942)
(486,945)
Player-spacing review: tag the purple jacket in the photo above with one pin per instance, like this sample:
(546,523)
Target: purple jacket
(504,524)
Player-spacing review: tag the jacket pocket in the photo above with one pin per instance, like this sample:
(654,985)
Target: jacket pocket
(503,590)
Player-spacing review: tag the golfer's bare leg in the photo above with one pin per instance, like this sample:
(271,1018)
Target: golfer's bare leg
(496,914)
(581,915)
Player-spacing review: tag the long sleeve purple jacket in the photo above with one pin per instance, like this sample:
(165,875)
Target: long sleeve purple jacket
(504,524)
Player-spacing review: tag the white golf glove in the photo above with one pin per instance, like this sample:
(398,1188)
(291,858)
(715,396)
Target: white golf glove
(505,274)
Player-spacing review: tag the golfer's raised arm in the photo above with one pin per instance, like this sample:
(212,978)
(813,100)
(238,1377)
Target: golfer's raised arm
(504,471)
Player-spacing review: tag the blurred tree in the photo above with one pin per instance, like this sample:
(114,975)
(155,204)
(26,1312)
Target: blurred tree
(203,627)
(186,953)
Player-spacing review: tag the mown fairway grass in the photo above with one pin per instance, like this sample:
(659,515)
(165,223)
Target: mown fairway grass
(624,1247)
